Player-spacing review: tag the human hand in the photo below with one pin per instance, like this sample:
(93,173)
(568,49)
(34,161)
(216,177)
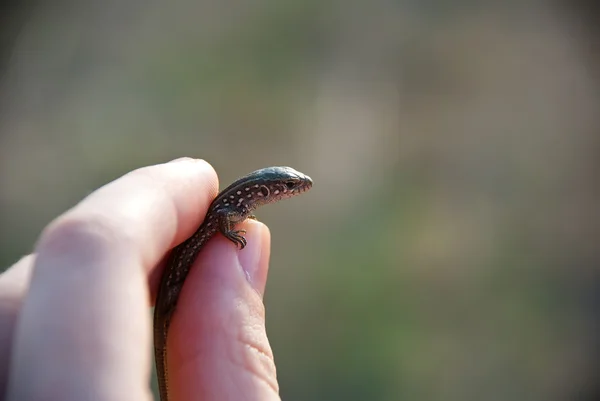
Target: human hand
(74,318)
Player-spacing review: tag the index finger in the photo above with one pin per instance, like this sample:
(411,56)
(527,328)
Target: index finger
(84,327)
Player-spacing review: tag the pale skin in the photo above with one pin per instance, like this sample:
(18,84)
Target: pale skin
(75,322)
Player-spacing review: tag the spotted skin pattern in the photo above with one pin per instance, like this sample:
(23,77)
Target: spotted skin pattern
(232,206)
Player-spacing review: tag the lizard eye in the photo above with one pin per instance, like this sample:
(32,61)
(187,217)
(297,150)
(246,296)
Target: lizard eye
(290,184)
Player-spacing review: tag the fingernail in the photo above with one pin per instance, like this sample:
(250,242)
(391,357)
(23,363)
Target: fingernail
(252,257)
(181,159)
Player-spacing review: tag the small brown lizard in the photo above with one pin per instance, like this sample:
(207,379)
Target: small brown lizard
(232,206)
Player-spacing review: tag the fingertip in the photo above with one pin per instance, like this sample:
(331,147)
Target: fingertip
(252,261)
(254,258)
(189,212)
(201,166)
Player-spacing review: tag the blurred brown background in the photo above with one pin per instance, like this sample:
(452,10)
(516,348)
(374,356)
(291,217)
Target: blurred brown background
(448,250)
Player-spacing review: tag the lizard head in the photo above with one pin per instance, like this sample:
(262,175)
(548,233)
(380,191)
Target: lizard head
(276,183)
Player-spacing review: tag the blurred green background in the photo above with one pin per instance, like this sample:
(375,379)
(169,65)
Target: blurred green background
(448,250)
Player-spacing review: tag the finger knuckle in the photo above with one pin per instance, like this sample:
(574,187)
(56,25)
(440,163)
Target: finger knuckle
(254,355)
(87,234)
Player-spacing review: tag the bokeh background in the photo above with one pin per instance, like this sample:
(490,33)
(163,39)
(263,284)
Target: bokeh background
(448,249)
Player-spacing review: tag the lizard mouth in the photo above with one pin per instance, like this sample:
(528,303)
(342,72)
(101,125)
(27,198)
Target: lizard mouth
(306,185)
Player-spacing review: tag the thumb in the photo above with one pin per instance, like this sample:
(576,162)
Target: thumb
(218,346)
